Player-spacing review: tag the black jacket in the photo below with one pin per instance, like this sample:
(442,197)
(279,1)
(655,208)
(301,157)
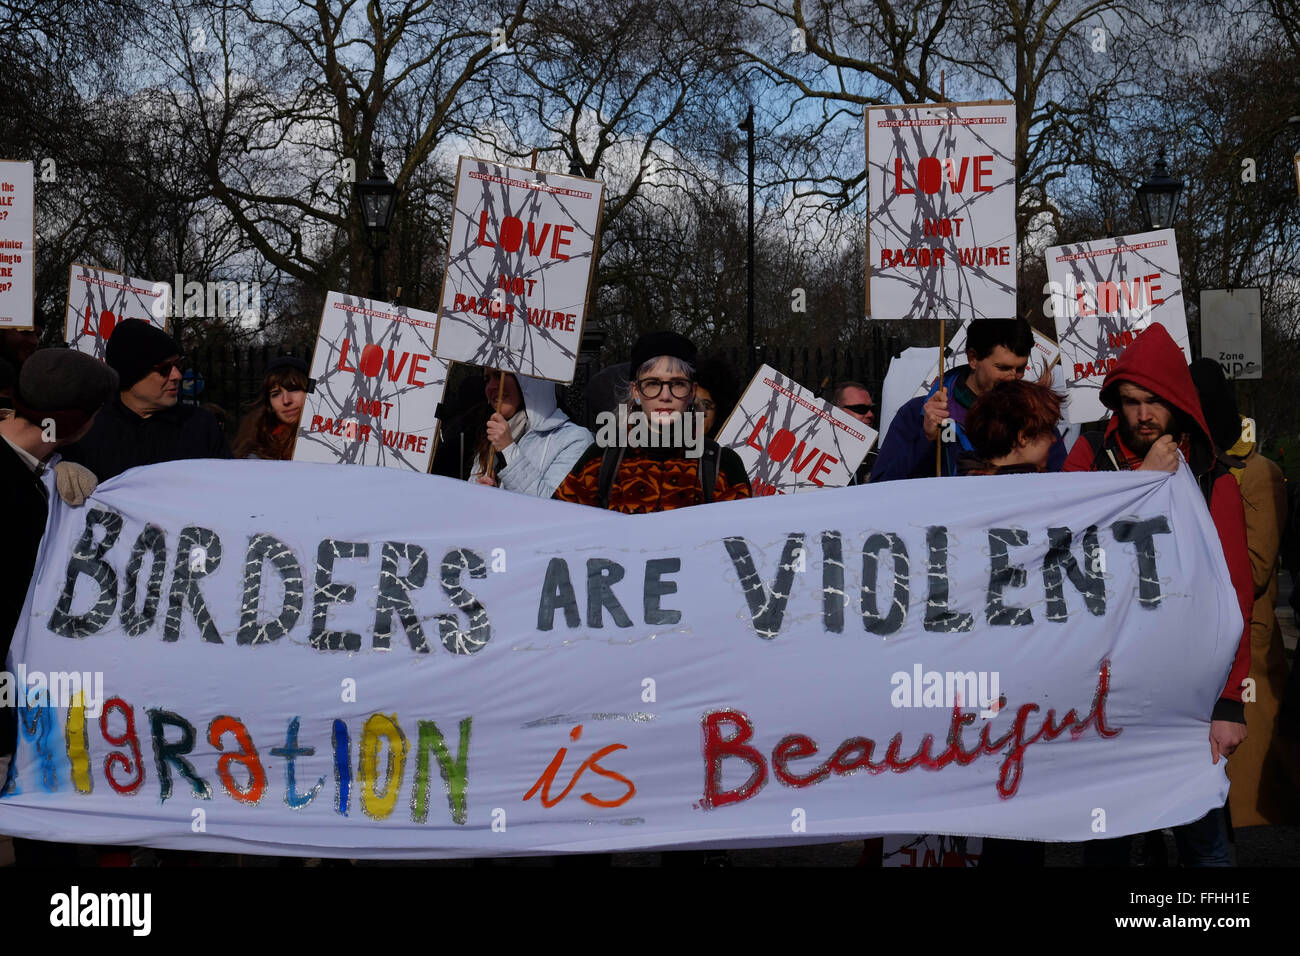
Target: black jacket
(24,523)
(121,439)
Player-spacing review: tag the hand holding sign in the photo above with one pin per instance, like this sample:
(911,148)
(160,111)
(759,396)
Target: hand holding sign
(936,413)
(498,432)
(1161,456)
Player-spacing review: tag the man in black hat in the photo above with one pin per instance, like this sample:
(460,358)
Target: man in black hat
(55,400)
(146,424)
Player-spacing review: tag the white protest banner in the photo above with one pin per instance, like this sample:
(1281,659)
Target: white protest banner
(519,267)
(369,663)
(930,850)
(1102,294)
(941,217)
(17,245)
(1232,331)
(99,299)
(1041,358)
(790,440)
(377,386)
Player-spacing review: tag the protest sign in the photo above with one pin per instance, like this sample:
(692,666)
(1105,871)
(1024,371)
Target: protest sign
(790,440)
(99,299)
(519,268)
(377,386)
(1232,330)
(930,850)
(1102,294)
(17,245)
(368,663)
(1041,358)
(941,216)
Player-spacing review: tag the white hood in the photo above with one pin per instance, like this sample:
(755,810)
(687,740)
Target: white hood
(540,404)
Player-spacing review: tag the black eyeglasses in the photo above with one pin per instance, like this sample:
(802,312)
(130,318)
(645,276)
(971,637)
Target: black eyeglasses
(651,387)
(860,409)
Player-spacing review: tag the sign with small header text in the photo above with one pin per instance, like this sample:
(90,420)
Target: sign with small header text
(941,217)
(519,267)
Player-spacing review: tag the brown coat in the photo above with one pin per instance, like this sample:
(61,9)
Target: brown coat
(1261,792)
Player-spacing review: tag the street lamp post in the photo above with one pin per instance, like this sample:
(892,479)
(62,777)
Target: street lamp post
(748,126)
(378,199)
(1158,196)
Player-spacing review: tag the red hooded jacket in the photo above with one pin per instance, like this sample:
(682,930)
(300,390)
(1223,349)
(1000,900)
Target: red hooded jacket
(1155,362)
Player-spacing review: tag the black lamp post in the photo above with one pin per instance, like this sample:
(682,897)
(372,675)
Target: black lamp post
(748,126)
(1158,196)
(378,198)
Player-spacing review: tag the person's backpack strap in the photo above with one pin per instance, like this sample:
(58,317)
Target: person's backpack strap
(709,468)
(610,459)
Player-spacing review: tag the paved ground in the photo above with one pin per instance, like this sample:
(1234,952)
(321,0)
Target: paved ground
(1256,846)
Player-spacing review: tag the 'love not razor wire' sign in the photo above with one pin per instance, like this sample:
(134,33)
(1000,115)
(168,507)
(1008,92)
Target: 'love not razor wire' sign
(941,222)
(519,267)
(377,386)
(790,440)
(99,299)
(1103,293)
(368,663)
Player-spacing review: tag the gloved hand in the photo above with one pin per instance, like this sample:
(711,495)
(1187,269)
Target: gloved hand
(75,483)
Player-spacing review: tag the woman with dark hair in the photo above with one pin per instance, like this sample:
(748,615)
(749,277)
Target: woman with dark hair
(661,475)
(716,393)
(271,425)
(530,443)
(1011,427)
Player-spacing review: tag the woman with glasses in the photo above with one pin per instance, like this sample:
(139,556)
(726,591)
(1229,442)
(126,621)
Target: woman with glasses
(677,467)
(270,427)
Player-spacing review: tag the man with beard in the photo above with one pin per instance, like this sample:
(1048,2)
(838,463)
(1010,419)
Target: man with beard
(1156,414)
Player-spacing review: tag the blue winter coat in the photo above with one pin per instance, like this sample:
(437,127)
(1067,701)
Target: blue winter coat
(905,452)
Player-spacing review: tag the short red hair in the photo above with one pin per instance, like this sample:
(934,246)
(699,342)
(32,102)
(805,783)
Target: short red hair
(1008,410)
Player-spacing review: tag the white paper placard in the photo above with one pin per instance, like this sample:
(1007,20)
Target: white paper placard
(941,221)
(99,299)
(378,386)
(17,245)
(790,440)
(1232,331)
(929,850)
(519,266)
(1103,293)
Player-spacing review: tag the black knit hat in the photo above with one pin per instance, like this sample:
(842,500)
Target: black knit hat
(64,385)
(135,347)
(286,361)
(654,344)
(1217,402)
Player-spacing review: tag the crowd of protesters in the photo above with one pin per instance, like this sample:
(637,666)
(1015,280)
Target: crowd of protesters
(508,432)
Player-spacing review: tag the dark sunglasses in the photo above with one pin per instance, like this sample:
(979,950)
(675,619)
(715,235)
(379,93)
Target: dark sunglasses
(860,409)
(165,368)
